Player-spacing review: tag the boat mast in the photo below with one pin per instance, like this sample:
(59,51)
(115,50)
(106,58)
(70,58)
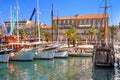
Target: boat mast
(105,23)
(10,16)
(57,27)
(17,19)
(38,19)
(52,20)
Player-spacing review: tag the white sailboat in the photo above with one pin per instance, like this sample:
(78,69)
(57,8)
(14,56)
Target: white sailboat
(60,52)
(4,48)
(44,53)
(24,54)
(4,55)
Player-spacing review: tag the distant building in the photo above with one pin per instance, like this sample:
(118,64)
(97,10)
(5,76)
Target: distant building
(82,23)
(29,26)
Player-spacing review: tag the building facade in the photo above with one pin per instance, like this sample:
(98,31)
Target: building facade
(30,27)
(82,23)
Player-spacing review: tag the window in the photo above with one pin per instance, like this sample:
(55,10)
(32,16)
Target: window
(63,21)
(59,22)
(80,22)
(68,21)
(72,21)
(55,22)
(85,21)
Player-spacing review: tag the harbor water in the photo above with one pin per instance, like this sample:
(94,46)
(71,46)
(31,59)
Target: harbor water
(72,68)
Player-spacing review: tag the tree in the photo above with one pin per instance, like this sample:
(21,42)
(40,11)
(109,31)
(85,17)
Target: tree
(92,32)
(67,34)
(55,27)
(22,33)
(101,34)
(47,36)
(71,35)
(41,32)
(112,31)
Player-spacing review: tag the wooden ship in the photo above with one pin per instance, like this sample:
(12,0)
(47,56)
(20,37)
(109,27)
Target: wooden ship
(103,54)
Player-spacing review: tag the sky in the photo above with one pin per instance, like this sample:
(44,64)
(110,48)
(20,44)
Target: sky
(62,7)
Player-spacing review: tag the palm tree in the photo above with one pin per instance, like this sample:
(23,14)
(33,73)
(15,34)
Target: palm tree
(55,27)
(71,35)
(92,32)
(112,31)
(41,32)
(101,34)
(47,36)
(68,37)
(23,33)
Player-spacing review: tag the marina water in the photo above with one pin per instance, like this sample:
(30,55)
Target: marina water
(72,68)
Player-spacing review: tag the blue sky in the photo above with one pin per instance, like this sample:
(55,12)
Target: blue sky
(64,7)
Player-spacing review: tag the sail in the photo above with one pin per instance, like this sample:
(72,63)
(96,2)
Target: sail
(4,27)
(13,22)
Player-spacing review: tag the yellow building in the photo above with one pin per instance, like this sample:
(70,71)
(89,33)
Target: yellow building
(82,23)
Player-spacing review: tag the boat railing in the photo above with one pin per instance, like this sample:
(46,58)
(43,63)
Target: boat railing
(6,47)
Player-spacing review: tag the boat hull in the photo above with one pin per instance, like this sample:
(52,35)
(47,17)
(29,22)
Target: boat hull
(45,54)
(61,54)
(23,55)
(4,58)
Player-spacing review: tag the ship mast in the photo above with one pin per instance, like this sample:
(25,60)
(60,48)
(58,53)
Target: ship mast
(17,20)
(52,20)
(38,19)
(57,27)
(10,18)
(105,23)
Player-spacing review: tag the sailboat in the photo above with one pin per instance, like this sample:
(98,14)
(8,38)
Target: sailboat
(23,51)
(4,54)
(5,49)
(60,51)
(103,54)
(61,54)
(46,52)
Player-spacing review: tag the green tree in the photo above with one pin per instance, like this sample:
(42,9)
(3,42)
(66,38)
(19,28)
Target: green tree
(101,34)
(41,32)
(112,31)
(55,27)
(22,33)
(71,35)
(47,36)
(92,32)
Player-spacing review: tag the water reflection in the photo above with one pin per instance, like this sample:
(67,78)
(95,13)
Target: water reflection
(3,66)
(100,73)
(80,69)
(58,69)
(3,70)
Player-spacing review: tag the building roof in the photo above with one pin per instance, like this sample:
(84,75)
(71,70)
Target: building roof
(88,16)
(46,26)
